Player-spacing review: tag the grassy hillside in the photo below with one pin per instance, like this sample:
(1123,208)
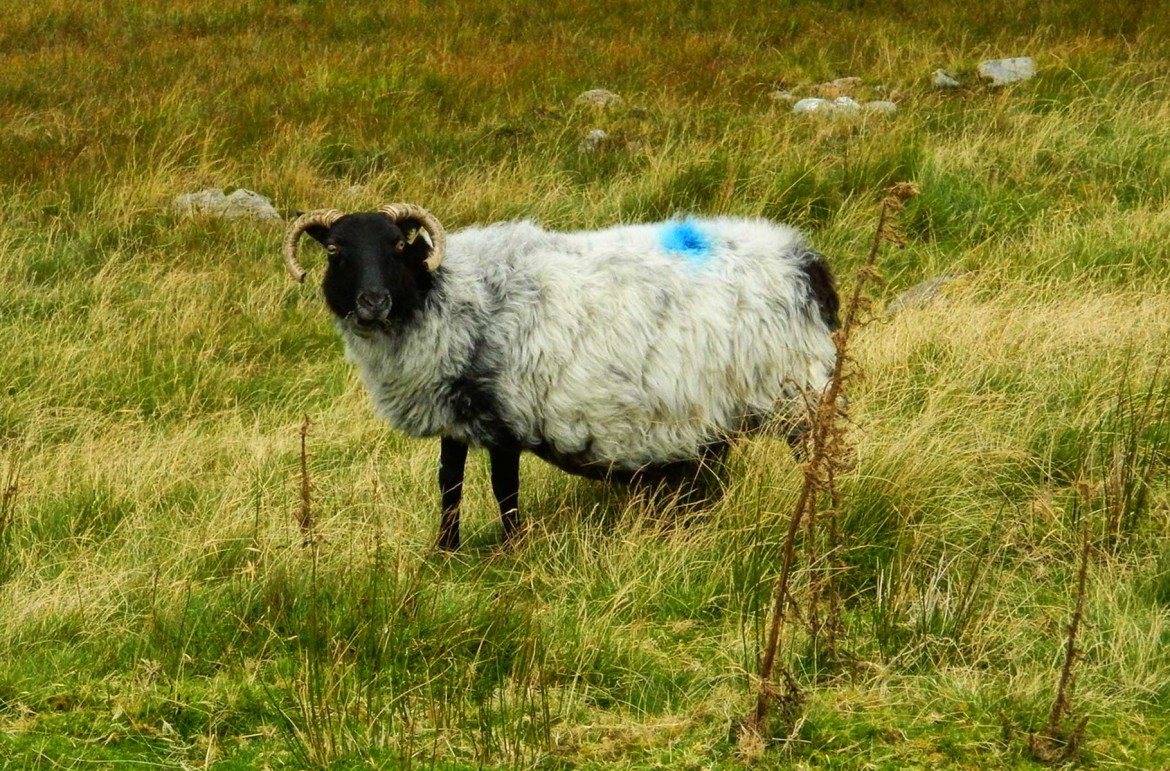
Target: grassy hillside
(157,605)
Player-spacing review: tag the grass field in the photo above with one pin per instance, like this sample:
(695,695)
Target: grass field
(157,606)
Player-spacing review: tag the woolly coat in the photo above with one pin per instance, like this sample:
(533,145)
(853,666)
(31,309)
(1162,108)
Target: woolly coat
(623,348)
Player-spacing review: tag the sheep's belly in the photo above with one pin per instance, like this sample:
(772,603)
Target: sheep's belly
(590,468)
(573,463)
(633,442)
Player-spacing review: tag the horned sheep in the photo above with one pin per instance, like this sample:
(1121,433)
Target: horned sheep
(636,352)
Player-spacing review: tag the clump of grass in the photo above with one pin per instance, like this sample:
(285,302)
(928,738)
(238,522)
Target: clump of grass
(1115,485)
(1134,447)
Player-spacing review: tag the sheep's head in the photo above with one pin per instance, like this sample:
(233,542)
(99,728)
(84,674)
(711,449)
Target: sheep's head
(378,269)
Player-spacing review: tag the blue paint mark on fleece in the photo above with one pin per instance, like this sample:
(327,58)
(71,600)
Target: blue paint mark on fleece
(686,240)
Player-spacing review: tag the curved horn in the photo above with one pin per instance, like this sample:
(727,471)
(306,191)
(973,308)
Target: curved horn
(400,211)
(324,217)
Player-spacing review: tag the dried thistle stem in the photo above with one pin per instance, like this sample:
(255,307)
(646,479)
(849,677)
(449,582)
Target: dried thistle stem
(305,510)
(823,455)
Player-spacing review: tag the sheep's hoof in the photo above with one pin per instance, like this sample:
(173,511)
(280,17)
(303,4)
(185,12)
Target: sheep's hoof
(515,533)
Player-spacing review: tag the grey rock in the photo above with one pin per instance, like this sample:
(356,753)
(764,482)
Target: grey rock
(599,97)
(842,105)
(207,201)
(813,104)
(247,203)
(845,104)
(783,96)
(920,295)
(592,141)
(943,79)
(213,203)
(1003,71)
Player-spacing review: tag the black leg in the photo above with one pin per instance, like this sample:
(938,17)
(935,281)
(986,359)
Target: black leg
(506,486)
(452,458)
(798,436)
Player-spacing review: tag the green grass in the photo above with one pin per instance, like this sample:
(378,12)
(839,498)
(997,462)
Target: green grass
(158,605)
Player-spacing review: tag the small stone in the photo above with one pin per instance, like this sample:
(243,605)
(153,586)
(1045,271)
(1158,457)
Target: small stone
(599,97)
(1003,71)
(813,104)
(592,141)
(921,295)
(881,106)
(850,82)
(943,79)
(783,96)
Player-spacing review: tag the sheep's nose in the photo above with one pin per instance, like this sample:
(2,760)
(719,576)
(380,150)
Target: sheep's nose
(373,306)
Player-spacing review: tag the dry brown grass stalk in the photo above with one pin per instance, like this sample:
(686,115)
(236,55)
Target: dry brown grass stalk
(305,510)
(9,487)
(1062,737)
(827,454)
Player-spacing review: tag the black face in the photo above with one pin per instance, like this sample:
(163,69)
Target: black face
(375,277)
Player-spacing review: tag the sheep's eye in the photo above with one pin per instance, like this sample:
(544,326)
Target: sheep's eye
(398,247)
(332,250)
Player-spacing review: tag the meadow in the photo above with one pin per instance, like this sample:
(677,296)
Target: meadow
(160,604)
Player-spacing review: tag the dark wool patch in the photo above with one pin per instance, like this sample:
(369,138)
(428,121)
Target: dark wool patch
(821,286)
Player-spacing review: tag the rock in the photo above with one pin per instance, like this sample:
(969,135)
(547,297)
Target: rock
(213,203)
(599,97)
(845,104)
(592,141)
(246,203)
(920,295)
(203,202)
(842,105)
(813,104)
(943,79)
(783,96)
(1003,71)
(850,82)
(881,106)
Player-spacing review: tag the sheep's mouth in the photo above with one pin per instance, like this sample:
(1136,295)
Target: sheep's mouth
(367,327)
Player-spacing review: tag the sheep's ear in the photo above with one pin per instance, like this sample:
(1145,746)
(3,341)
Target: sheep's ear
(410,228)
(417,249)
(319,233)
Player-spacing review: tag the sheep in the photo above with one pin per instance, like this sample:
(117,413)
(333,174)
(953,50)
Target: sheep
(632,353)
